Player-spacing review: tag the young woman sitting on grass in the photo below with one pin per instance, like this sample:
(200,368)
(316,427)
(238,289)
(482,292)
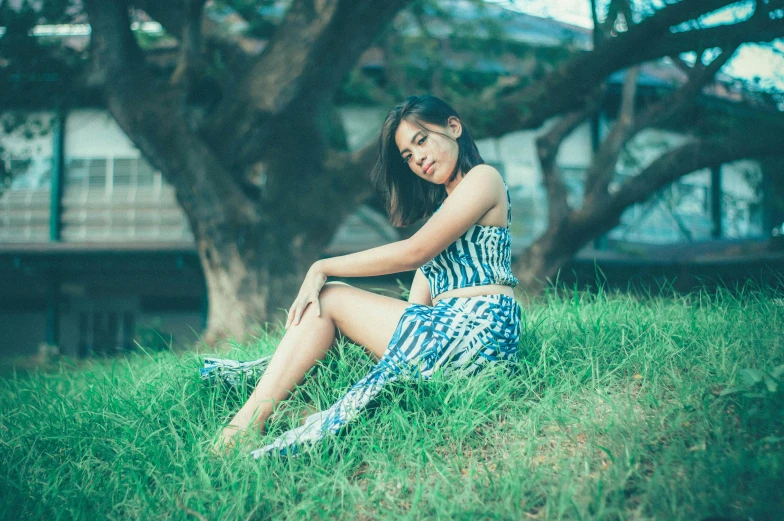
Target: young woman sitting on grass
(461,314)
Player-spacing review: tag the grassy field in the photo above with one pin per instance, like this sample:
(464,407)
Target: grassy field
(667,408)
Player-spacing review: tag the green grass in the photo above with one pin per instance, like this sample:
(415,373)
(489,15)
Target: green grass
(622,408)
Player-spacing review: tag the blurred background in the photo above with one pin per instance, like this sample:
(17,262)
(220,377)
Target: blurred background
(169,170)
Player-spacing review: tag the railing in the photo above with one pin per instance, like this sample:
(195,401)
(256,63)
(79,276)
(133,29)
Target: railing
(135,214)
(151,213)
(124,214)
(24,215)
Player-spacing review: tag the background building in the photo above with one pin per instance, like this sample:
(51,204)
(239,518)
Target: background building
(96,253)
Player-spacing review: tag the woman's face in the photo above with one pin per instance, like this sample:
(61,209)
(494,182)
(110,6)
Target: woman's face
(430,151)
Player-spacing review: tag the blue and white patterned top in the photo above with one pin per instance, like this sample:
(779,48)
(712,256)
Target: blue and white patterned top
(481,256)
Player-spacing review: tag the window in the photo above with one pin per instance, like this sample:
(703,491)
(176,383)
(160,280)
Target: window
(119,199)
(689,199)
(109,174)
(86,173)
(96,173)
(129,172)
(145,175)
(123,172)
(25,199)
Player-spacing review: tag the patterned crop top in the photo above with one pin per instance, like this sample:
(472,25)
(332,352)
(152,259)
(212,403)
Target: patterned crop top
(480,257)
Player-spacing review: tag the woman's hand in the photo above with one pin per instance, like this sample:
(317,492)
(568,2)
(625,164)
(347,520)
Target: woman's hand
(308,294)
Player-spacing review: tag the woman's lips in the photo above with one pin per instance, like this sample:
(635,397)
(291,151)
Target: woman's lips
(429,168)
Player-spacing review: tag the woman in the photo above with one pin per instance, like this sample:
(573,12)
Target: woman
(461,313)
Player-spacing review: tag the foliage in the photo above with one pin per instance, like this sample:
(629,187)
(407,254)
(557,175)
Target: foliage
(619,409)
(27,60)
(28,127)
(460,58)
(262,16)
(214,103)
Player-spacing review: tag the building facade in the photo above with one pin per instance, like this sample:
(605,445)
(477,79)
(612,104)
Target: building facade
(96,254)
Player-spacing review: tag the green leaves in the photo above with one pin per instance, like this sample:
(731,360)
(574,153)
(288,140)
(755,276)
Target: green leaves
(755,383)
(750,377)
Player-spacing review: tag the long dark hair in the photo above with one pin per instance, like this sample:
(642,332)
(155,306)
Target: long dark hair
(408,196)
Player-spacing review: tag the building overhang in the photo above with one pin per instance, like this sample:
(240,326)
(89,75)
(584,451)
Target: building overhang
(93,248)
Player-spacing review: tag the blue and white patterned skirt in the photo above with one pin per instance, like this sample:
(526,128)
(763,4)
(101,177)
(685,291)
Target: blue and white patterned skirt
(461,334)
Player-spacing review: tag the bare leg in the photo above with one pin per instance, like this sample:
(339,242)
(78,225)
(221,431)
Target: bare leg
(368,319)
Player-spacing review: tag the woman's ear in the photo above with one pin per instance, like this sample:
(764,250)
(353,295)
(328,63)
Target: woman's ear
(455,126)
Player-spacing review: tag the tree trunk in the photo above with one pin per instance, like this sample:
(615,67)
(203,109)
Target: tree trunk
(567,234)
(540,262)
(246,289)
(263,185)
(267,184)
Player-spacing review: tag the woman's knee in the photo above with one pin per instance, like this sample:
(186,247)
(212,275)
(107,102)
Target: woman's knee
(335,284)
(332,290)
(330,294)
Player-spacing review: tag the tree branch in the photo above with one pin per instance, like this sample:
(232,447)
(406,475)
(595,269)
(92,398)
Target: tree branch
(566,88)
(699,77)
(602,166)
(189,60)
(602,170)
(755,30)
(114,48)
(547,146)
(148,112)
(311,52)
(682,65)
(671,166)
(173,16)
(688,158)
(352,170)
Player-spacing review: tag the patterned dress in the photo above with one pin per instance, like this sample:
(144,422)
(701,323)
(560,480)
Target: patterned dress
(462,334)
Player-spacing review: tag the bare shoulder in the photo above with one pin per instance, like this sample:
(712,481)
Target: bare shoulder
(485,176)
(486,182)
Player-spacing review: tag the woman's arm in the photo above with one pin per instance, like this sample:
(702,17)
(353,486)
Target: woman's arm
(476,194)
(420,290)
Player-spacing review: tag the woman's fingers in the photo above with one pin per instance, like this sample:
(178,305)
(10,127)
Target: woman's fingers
(297,311)
(290,315)
(294,310)
(300,312)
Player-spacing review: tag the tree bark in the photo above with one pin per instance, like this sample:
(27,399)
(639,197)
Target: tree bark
(570,229)
(540,263)
(567,88)
(255,242)
(262,183)
(295,77)
(250,276)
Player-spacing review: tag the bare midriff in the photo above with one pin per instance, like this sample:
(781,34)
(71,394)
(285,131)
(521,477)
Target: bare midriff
(475,291)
